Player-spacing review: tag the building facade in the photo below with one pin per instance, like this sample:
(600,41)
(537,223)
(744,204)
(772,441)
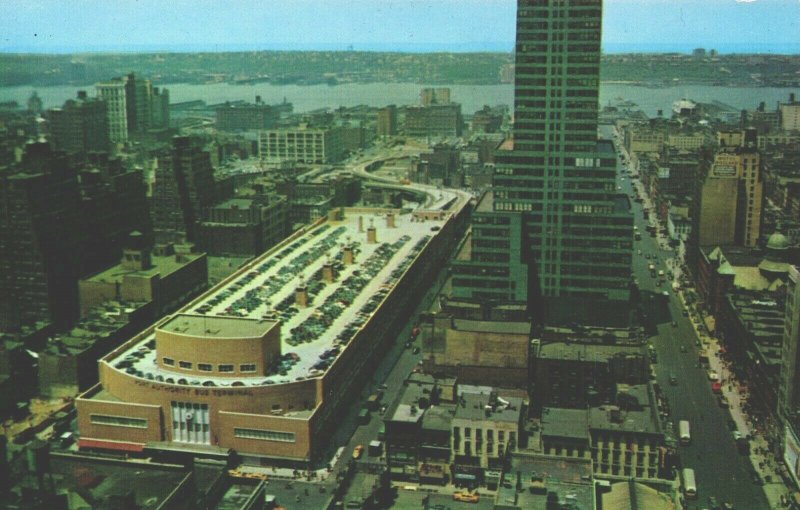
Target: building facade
(80,126)
(242,117)
(387,121)
(577,233)
(443,120)
(303,145)
(114,94)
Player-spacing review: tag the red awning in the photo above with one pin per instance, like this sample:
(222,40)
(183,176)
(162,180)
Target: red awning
(716,387)
(104,444)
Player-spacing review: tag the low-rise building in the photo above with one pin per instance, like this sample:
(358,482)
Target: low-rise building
(443,120)
(576,375)
(68,363)
(240,116)
(490,353)
(244,226)
(167,280)
(623,440)
(627,441)
(544,482)
(303,144)
(485,429)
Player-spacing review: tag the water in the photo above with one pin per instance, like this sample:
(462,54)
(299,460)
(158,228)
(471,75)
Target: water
(472,97)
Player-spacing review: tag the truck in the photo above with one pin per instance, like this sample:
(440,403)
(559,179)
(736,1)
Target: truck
(375,448)
(373,402)
(684,433)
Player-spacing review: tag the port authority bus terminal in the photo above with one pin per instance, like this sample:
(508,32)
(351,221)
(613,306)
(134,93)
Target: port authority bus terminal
(265,362)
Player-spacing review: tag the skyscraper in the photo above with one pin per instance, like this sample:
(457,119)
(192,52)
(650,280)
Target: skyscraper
(80,126)
(40,240)
(184,188)
(113,93)
(576,231)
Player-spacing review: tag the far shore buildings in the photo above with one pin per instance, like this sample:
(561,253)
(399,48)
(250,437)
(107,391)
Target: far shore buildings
(302,144)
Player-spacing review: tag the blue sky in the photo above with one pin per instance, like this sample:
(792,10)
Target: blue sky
(402,25)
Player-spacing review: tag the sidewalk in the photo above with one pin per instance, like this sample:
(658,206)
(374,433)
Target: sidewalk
(763,462)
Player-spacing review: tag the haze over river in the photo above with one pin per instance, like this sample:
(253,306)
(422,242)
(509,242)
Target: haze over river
(471,97)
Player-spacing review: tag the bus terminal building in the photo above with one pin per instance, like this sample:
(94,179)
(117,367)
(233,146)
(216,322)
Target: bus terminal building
(266,362)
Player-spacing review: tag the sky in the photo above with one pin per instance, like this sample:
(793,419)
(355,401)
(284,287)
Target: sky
(64,26)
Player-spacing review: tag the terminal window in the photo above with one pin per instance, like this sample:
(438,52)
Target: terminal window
(264,435)
(248,367)
(119,421)
(185,364)
(204,367)
(226,368)
(168,361)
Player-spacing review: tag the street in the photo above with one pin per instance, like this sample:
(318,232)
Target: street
(721,472)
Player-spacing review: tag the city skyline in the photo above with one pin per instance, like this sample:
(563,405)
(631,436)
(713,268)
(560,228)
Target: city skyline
(405,25)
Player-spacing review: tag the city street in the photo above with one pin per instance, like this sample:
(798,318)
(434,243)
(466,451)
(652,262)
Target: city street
(721,472)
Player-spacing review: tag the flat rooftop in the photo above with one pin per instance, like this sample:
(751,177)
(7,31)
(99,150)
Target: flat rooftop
(217,327)
(569,479)
(163,265)
(237,496)
(561,422)
(585,352)
(476,407)
(264,289)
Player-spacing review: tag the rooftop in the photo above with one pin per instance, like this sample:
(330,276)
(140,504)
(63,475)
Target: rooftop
(585,352)
(238,496)
(217,327)
(265,289)
(562,422)
(513,328)
(480,407)
(151,484)
(624,420)
(570,479)
(630,495)
(162,265)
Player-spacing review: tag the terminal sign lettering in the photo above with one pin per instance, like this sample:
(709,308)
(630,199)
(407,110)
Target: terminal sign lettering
(200,392)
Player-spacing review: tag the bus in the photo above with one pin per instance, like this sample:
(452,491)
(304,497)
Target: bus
(683,432)
(689,485)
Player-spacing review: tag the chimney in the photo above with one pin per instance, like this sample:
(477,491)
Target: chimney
(301,296)
(372,237)
(327,272)
(762,106)
(347,255)
(360,223)
(258,99)
(791,97)
(334,214)
(614,414)
(81,94)
(390,220)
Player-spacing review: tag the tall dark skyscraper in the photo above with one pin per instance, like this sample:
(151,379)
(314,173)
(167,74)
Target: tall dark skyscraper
(40,240)
(184,188)
(575,234)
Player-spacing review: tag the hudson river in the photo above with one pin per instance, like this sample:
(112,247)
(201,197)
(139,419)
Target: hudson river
(472,97)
